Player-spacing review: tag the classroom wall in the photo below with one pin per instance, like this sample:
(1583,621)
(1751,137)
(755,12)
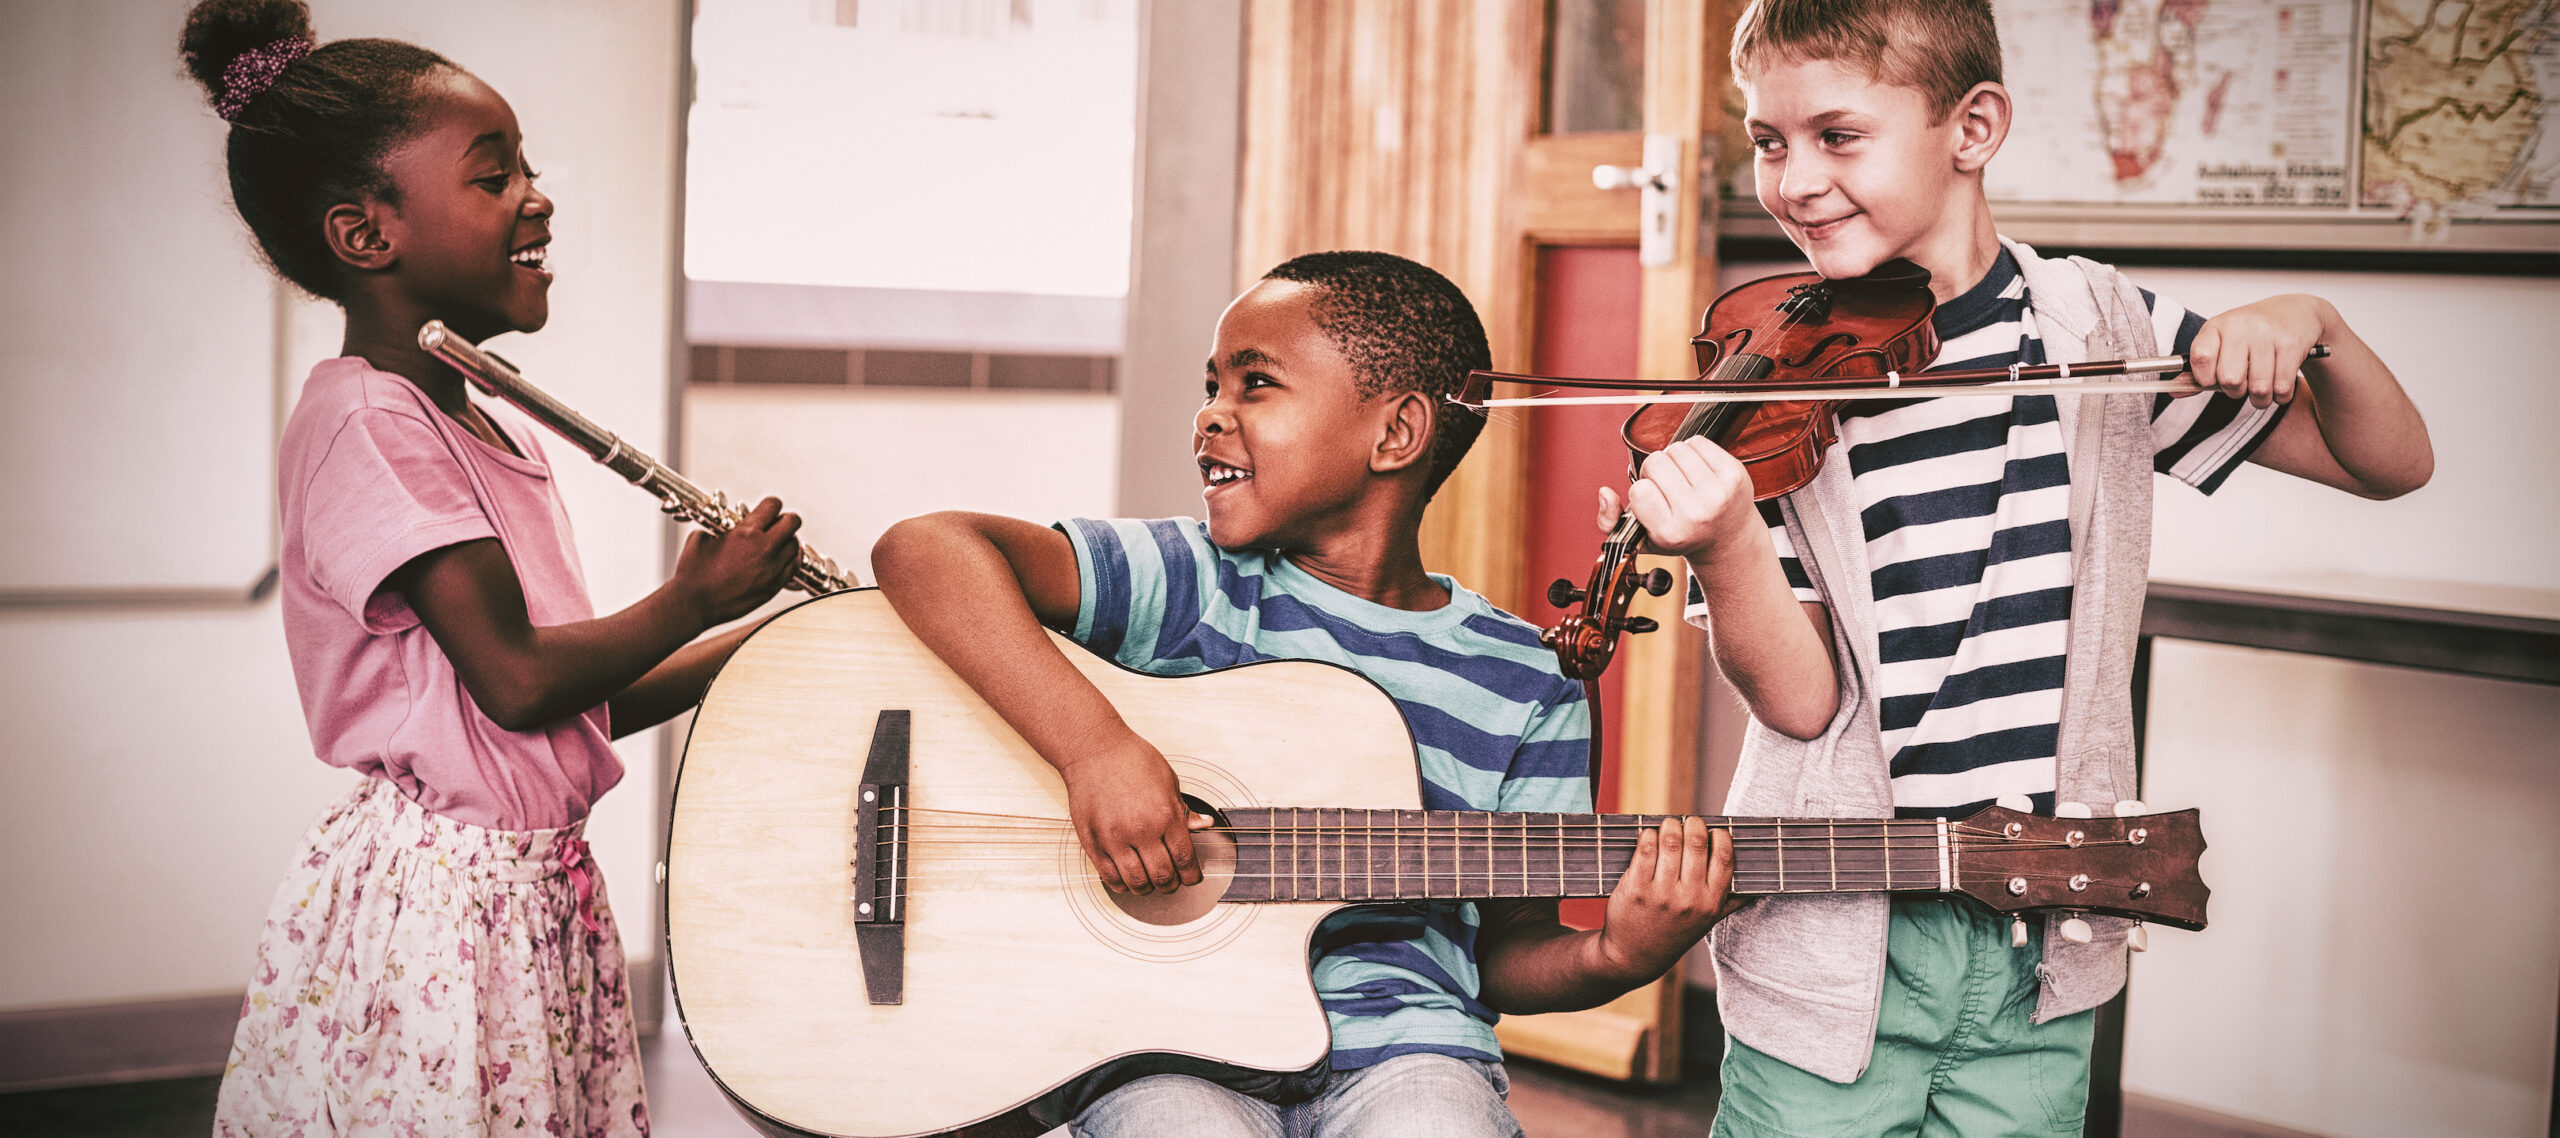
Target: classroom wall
(2385,953)
(154,770)
(853,461)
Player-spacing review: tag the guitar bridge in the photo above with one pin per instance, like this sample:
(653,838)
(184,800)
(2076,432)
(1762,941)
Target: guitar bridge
(880,862)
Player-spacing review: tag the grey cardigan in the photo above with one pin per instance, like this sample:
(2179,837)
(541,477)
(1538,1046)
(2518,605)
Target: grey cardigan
(1802,978)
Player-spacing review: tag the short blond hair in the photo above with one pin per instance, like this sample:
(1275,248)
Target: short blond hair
(1942,48)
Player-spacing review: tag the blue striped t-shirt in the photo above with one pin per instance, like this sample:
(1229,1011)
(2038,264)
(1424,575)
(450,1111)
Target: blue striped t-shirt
(1496,726)
(1965,503)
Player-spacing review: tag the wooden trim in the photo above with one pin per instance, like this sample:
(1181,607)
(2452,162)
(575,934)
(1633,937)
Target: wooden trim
(143,596)
(1398,127)
(1411,127)
(2147,1117)
(2491,645)
(1613,1041)
(44,1048)
(1560,206)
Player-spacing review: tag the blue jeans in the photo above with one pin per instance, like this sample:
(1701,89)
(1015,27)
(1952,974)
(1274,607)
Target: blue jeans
(1409,1096)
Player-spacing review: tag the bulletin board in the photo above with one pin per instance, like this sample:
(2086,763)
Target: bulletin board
(2382,125)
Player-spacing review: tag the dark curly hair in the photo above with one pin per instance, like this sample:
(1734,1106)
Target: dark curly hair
(1404,328)
(314,139)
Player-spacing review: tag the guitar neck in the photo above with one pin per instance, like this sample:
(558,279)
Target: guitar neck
(1329,854)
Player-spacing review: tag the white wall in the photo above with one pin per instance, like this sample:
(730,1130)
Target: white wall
(2384,958)
(851,461)
(154,770)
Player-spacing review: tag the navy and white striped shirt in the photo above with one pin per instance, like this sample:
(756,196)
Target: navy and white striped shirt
(1965,503)
(1496,725)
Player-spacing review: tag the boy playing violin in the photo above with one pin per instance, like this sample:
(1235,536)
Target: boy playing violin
(1325,428)
(1947,615)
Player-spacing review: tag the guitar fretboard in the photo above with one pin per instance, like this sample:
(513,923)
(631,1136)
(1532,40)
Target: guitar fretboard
(1332,854)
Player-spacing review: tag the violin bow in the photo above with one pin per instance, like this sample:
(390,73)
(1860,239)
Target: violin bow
(2015,379)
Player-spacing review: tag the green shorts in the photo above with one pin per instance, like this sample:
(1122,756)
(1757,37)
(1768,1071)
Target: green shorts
(1955,1052)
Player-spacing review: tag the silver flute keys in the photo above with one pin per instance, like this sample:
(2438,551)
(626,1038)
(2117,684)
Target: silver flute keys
(815,575)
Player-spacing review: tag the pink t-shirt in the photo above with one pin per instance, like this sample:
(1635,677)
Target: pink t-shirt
(370,476)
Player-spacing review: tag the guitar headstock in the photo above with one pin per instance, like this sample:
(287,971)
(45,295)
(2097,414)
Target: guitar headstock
(2142,866)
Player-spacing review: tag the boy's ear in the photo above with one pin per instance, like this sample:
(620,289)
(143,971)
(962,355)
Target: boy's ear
(1982,124)
(356,236)
(1407,437)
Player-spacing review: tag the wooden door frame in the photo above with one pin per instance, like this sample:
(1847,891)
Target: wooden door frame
(1414,127)
(1640,1034)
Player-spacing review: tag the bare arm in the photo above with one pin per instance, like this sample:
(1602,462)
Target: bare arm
(977,589)
(2356,431)
(673,687)
(1672,893)
(1695,502)
(523,675)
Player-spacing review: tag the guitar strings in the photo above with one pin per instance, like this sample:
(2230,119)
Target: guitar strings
(1916,825)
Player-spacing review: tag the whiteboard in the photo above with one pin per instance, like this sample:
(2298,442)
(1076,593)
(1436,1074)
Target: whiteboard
(138,343)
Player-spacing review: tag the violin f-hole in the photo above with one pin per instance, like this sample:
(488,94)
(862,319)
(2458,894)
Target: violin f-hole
(1820,346)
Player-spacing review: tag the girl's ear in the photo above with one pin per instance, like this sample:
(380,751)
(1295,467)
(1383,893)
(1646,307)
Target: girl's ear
(1407,437)
(356,236)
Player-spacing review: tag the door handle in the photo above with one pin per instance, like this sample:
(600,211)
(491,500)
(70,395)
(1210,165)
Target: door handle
(1658,188)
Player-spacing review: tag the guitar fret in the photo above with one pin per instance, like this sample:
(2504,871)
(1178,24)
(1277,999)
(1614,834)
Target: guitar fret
(1525,889)
(1397,840)
(1369,853)
(1342,852)
(1598,850)
(1833,828)
(1426,853)
(1294,844)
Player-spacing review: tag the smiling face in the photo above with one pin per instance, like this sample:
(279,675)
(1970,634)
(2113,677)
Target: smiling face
(1286,446)
(1859,172)
(469,230)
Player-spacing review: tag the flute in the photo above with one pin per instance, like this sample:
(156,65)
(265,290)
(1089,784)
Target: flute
(815,575)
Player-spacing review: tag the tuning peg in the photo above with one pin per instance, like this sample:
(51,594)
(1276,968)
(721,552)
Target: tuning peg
(2138,938)
(2018,933)
(2075,930)
(2130,807)
(1561,592)
(1639,624)
(2070,809)
(2018,802)
(1656,582)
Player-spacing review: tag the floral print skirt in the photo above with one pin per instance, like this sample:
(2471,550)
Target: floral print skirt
(423,976)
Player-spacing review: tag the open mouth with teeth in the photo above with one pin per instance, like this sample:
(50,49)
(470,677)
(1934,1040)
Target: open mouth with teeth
(535,257)
(1218,474)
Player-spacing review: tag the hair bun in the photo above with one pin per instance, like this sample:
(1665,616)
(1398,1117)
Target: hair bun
(219,31)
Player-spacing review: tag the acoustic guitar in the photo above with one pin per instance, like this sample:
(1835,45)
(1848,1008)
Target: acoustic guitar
(880,923)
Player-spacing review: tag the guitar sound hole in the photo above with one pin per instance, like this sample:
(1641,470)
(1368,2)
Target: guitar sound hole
(1217,854)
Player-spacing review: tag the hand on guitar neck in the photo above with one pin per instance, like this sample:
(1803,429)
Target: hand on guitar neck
(1674,890)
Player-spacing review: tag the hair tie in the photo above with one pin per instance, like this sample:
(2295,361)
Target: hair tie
(254,71)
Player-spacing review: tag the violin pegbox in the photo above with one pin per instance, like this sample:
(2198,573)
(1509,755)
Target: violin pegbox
(2142,866)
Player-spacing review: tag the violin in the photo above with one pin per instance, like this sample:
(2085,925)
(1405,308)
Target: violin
(1763,349)
(1770,331)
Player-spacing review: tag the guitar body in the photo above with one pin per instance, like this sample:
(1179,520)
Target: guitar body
(880,923)
(1021,972)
